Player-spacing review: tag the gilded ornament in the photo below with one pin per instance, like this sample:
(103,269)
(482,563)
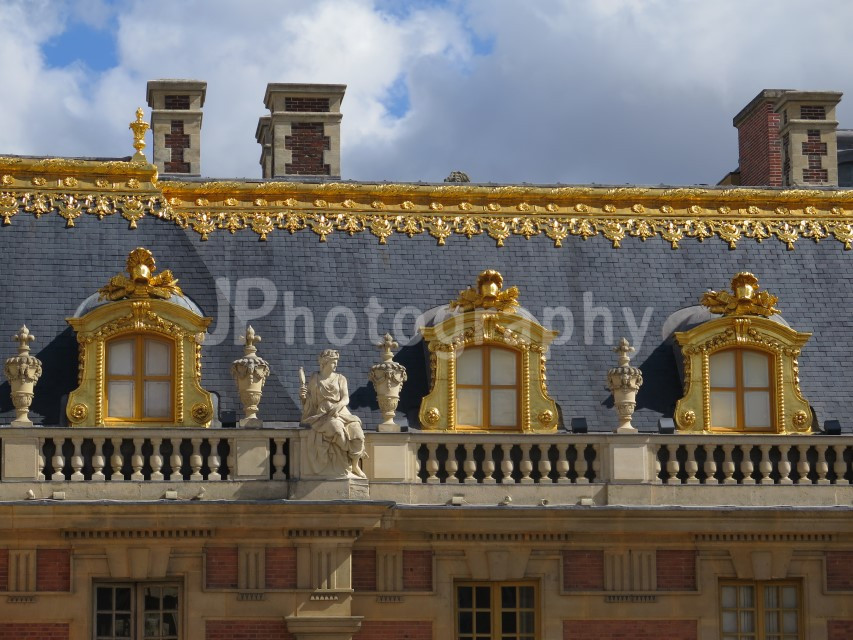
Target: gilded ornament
(523,206)
(724,211)
(320,204)
(101,183)
(433,416)
(408,205)
(465,206)
(70,182)
(608,208)
(782,211)
(261,202)
(552,207)
(377,204)
(231,202)
(8,207)
(139,128)
(78,412)
(133,211)
(69,209)
(348,204)
(546,418)
(38,181)
(436,206)
(753,210)
(202,202)
(688,418)
(6,180)
(487,294)
(800,420)
(638,208)
(142,282)
(200,413)
(810,211)
(493,206)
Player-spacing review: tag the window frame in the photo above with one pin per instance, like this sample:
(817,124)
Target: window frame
(759,608)
(486,387)
(137,610)
(740,390)
(496,608)
(139,377)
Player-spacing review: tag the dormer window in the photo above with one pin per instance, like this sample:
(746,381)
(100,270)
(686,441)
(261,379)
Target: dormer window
(140,378)
(741,394)
(487,388)
(741,373)
(488,364)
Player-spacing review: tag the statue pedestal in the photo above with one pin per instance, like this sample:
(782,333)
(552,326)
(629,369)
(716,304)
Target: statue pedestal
(330,489)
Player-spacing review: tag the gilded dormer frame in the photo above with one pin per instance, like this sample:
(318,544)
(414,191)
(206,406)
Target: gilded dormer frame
(489,319)
(745,324)
(141,308)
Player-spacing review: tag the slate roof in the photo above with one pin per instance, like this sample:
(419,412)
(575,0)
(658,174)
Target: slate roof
(47,270)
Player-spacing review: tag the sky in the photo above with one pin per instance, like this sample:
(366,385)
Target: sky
(539,91)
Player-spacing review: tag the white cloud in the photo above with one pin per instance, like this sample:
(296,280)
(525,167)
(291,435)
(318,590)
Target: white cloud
(609,91)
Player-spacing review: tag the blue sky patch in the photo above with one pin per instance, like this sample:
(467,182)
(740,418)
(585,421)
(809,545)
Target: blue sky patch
(95,48)
(396,101)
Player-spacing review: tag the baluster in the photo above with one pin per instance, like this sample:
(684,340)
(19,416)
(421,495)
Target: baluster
(747,466)
(41,460)
(764,466)
(507,466)
(784,465)
(470,465)
(195,460)
(728,464)
(489,463)
(213,460)
(673,466)
(137,460)
(822,467)
(58,461)
(840,466)
(596,463)
(116,461)
(803,466)
(156,459)
(451,466)
(710,465)
(98,460)
(563,466)
(544,464)
(690,465)
(77,460)
(232,459)
(658,467)
(432,463)
(279,459)
(526,466)
(176,460)
(581,465)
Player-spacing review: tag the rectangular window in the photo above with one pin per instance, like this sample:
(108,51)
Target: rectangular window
(137,612)
(760,611)
(496,611)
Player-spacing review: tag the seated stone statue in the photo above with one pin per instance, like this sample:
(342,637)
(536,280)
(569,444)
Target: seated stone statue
(338,439)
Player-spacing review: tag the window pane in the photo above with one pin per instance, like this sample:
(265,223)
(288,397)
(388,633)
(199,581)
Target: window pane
(465,597)
(152,599)
(508,622)
(747,621)
(104,624)
(469,366)
(170,599)
(158,399)
(723,409)
(105,598)
(122,628)
(771,622)
(723,369)
(466,622)
(729,598)
(484,597)
(508,597)
(527,623)
(170,624)
(120,399)
(158,358)
(123,599)
(504,408)
(745,597)
(120,357)
(526,599)
(469,407)
(729,621)
(152,625)
(789,597)
(771,597)
(755,369)
(484,621)
(503,366)
(756,410)
(789,621)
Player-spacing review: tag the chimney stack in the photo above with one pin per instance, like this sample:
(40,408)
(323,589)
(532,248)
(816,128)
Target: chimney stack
(176,124)
(788,138)
(302,135)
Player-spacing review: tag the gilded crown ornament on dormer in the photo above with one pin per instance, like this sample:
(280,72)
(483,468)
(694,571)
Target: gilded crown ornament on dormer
(142,282)
(746,301)
(487,294)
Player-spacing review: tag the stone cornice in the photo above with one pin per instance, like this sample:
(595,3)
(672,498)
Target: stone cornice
(70,188)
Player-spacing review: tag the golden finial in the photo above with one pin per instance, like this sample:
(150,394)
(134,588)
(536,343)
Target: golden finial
(487,294)
(746,301)
(140,128)
(142,282)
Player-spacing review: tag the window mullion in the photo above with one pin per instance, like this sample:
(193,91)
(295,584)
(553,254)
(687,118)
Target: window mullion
(139,400)
(487,388)
(739,393)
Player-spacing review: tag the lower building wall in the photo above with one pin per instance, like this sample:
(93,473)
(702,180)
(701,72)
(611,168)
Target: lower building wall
(33,631)
(839,630)
(395,630)
(633,629)
(247,630)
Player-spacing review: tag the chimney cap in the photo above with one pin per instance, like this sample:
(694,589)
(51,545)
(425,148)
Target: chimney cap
(833,97)
(301,89)
(763,96)
(175,85)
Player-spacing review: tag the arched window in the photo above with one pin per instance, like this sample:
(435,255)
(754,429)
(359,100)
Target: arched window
(140,378)
(741,390)
(487,388)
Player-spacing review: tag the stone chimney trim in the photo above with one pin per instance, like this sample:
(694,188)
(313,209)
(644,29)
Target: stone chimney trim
(303,90)
(763,96)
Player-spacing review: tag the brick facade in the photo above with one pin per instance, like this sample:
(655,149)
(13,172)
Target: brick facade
(177,141)
(839,630)
(34,631)
(247,630)
(53,570)
(394,630)
(812,112)
(629,629)
(583,570)
(307,141)
(364,569)
(220,567)
(676,570)
(4,569)
(839,571)
(417,570)
(813,149)
(315,105)
(280,566)
(759,147)
(181,103)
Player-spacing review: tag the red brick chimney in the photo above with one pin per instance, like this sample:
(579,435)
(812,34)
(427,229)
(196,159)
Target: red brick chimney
(759,142)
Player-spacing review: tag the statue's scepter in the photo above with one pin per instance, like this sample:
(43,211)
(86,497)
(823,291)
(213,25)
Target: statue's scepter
(303,386)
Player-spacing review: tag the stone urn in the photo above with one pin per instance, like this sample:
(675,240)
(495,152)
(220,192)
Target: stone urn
(388,378)
(250,372)
(23,371)
(624,381)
